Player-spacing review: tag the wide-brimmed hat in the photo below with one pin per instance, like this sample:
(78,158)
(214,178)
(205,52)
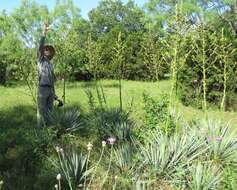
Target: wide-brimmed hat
(51,49)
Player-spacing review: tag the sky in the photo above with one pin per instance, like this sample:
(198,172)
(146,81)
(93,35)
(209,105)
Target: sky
(84,5)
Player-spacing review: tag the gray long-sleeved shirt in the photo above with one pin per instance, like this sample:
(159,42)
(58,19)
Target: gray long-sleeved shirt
(45,68)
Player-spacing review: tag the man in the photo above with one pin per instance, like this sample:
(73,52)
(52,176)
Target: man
(46,91)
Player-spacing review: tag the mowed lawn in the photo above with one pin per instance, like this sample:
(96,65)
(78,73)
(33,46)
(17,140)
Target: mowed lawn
(18,96)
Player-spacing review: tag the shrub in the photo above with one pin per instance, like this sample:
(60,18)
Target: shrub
(157,116)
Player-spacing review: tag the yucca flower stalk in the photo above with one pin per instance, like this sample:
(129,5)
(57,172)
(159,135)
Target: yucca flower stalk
(225,52)
(118,61)
(152,55)
(93,54)
(204,70)
(175,54)
(205,50)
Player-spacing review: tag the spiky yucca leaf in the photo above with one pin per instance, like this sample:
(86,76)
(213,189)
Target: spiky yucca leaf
(73,167)
(167,154)
(221,141)
(204,177)
(67,120)
(124,158)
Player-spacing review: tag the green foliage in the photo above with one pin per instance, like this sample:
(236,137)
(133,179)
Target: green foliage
(157,116)
(65,121)
(73,167)
(165,155)
(230,177)
(208,61)
(110,122)
(220,142)
(204,177)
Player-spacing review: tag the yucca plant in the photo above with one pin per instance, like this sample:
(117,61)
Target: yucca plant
(220,140)
(124,158)
(65,121)
(73,167)
(203,176)
(113,122)
(166,155)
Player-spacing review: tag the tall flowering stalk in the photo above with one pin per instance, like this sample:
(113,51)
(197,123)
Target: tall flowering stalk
(225,52)
(204,47)
(175,54)
(94,56)
(118,61)
(152,56)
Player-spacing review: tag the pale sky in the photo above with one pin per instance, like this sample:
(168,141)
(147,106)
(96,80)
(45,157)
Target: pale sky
(84,5)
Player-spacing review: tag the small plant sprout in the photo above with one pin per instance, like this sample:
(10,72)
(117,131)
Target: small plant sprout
(111,141)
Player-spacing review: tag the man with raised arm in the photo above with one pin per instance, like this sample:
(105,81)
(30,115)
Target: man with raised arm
(46,91)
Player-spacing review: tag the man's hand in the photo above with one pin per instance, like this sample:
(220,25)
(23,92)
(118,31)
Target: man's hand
(60,103)
(46,28)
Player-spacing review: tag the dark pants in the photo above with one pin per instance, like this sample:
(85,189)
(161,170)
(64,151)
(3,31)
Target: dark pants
(45,104)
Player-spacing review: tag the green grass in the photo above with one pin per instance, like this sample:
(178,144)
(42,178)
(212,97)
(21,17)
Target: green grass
(18,117)
(17,98)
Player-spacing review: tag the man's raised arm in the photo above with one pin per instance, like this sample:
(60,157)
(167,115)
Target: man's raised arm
(42,40)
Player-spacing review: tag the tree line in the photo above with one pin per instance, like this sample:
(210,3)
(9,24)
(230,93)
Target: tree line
(191,42)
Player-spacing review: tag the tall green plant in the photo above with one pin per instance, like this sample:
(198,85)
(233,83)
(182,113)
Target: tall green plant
(118,61)
(175,54)
(225,52)
(152,56)
(93,54)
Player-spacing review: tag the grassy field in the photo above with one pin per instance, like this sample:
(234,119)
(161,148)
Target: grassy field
(16,99)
